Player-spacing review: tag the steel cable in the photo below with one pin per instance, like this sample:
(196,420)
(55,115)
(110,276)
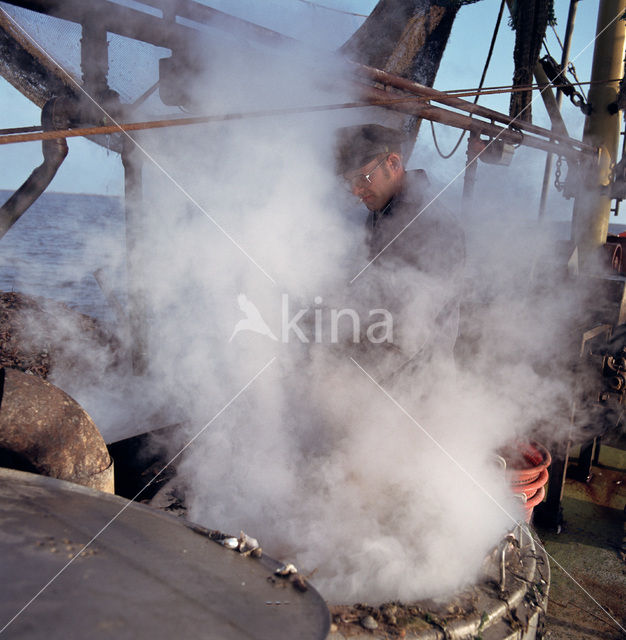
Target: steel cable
(480,85)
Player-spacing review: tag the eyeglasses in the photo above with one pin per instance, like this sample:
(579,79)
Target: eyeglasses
(362,179)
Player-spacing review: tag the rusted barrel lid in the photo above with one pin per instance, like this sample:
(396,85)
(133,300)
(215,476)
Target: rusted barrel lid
(146,575)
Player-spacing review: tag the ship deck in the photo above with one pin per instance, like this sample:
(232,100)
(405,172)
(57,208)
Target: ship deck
(591,548)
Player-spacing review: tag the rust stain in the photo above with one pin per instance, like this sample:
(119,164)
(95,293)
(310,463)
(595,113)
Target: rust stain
(48,432)
(412,40)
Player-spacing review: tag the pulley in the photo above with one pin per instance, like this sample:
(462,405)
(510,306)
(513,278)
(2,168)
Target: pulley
(493,150)
(556,75)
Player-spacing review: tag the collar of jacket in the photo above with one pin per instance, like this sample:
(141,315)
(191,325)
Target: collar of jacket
(415,183)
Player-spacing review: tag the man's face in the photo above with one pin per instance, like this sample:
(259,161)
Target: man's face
(375,183)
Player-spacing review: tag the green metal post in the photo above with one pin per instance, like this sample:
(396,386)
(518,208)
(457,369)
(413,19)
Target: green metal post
(135,223)
(592,206)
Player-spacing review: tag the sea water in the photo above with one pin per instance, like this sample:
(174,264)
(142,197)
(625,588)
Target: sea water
(58,245)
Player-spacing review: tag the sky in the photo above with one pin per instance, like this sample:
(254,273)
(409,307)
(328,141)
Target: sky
(91,169)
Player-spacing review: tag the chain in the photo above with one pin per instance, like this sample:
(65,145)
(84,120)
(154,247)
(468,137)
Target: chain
(558,185)
(572,70)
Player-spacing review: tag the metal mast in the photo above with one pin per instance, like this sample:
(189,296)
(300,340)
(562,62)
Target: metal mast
(592,206)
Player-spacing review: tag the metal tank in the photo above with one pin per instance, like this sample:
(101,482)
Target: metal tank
(508,602)
(79,563)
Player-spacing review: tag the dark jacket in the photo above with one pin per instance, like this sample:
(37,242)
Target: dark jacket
(416,231)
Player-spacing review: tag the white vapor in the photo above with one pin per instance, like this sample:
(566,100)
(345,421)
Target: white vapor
(314,459)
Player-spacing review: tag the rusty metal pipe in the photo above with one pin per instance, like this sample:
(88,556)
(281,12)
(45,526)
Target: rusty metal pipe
(383,77)
(54,152)
(568,147)
(372,96)
(44,431)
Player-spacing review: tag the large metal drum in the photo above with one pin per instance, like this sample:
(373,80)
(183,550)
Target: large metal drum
(507,603)
(143,575)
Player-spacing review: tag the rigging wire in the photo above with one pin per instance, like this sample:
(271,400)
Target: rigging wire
(545,46)
(321,6)
(572,70)
(463,93)
(480,85)
(556,35)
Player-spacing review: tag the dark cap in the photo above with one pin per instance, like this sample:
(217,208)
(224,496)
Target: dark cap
(358,144)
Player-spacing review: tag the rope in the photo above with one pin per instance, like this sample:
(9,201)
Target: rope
(480,86)
(456,146)
(491,47)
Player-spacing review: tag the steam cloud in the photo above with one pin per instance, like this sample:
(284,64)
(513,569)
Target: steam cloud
(312,457)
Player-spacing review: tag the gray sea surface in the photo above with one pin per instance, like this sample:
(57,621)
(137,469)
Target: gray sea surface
(58,244)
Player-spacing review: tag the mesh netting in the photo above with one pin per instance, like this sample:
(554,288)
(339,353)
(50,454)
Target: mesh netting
(133,66)
(60,39)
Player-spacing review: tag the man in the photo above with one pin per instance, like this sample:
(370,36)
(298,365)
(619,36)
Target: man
(408,233)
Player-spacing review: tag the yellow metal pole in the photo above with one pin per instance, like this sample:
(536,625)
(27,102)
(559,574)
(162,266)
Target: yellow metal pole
(592,207)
